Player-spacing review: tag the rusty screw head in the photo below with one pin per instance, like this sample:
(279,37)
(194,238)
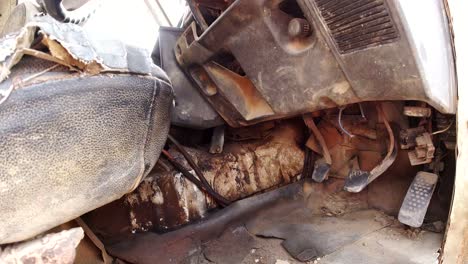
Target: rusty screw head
(299,27)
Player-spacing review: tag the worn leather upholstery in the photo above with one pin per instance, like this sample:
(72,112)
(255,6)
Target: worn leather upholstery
(71,143)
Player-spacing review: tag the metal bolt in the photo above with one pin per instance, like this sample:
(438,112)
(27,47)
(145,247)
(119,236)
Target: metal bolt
(299,27)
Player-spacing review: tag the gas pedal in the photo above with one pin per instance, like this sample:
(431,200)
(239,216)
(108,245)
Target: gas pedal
(414,207)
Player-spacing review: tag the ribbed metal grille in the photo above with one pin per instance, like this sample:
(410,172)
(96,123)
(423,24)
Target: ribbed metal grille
(357,24)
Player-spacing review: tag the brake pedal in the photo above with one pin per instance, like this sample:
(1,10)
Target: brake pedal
(416,202)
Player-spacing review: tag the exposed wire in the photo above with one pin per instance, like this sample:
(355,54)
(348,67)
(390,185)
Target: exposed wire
(341,124)
(443,130)
(362,111)
(184,171)
(220,199)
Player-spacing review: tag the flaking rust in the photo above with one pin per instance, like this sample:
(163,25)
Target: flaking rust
(166,200)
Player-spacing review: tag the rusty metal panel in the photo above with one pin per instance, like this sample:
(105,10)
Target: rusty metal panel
(276,76)
(353,51)
(166,200)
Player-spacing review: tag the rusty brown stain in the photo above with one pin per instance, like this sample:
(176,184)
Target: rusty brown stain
(206,84)
(243,169)
(417,111)
(254,104)
(327,102)
(172,214)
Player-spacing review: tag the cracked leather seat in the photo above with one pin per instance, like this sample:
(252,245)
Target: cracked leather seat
(71,143)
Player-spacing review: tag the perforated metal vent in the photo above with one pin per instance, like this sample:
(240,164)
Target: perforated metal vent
(357,24)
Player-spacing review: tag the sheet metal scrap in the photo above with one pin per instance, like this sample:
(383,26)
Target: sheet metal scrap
(70,44)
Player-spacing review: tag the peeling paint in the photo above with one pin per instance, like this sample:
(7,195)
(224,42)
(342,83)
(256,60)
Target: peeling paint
(341,88)
(158,197)
(168,200)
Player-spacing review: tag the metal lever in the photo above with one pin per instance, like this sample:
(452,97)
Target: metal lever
(357,179)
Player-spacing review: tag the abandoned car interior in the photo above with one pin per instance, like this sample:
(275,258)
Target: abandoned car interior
(256,131)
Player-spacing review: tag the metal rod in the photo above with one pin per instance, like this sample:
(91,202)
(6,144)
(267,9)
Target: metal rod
(198,172)
(309,121)
(192,178)
(362,111)
(340,124)
(163,12)
(153,13)
(443,130)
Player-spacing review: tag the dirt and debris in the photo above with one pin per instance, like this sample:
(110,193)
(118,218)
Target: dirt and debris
(51,248)
(386,220)
(436,227)
(215,250)
(413,233)
(330,199)
(360,236)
